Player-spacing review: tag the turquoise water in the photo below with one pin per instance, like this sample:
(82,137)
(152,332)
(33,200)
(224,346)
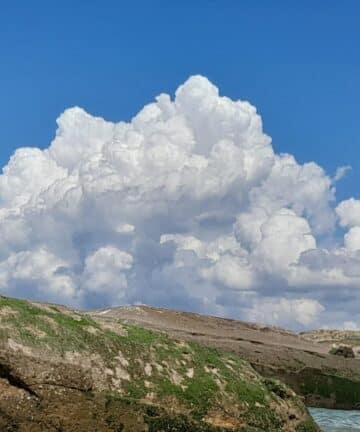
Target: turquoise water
(336,420)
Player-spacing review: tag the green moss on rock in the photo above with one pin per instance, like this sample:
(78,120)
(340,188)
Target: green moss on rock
(307,426)
(330,390)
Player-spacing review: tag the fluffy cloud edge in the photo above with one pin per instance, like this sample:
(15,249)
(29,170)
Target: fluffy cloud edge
(188,206)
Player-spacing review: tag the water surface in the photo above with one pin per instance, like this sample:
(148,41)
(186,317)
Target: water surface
(336,420)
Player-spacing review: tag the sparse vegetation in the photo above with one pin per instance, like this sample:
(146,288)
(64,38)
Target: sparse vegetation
(150,368)
(307,426)
(49,328)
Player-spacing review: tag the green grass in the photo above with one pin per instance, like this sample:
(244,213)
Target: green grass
(36,326)
(143,337)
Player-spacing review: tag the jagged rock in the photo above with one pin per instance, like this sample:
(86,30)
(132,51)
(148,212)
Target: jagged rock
(63,370)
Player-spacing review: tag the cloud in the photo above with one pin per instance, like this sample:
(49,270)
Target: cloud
(285,312)
(350,325)
(104,277)
(352,239)
(284,236)
(341,172)
(188,206)
(39,272)
(348,212)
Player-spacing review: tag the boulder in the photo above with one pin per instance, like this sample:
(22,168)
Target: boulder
(343,351)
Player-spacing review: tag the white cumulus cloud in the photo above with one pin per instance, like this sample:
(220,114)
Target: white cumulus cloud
(187,206)
(284,312)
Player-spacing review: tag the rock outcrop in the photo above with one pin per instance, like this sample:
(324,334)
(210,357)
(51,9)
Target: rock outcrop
(332,337)
(63,370)
(342,350)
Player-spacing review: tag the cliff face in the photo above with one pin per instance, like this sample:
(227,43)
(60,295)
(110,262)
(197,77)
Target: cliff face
(62,370)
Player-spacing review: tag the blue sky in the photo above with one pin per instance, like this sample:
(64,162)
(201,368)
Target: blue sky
(187,204)
(297,62)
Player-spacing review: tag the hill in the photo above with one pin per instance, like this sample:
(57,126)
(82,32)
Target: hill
(301,361)
(66,370)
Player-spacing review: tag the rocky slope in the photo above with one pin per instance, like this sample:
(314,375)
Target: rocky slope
(63,370)
(333,338)
(301,362)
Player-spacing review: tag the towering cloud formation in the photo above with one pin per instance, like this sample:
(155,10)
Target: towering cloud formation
(185,206)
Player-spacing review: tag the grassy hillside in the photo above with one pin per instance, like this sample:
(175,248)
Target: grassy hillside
(173,385)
